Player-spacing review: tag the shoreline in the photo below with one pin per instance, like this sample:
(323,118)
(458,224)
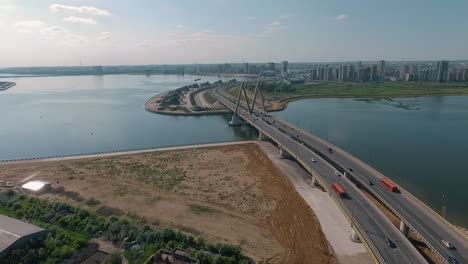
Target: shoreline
(152,106)
(6,85)
(122,153)
(283,103)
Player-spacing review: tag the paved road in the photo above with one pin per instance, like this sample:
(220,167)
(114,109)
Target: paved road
(421,219)
(374,225)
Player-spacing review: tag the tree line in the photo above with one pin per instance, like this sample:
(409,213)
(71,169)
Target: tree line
(69,229)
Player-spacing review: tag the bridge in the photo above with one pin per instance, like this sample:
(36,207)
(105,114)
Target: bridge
(369,224)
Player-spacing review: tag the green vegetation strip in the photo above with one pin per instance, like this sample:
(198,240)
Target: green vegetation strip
(69,229)
(374,89)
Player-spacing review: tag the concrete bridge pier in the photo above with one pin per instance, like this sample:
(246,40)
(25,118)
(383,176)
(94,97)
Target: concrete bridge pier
(404,228)
(346,175)
(283,154)
(236,121)
(354,236)
(261,136)
(314,181)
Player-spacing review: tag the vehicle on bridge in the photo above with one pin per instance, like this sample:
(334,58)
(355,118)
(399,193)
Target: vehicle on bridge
(337,188)
(388,184)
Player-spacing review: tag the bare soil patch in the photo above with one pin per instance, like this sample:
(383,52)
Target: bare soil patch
(232,194)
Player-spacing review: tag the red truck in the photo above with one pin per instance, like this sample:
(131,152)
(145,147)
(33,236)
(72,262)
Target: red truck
(388,184)
(338,189)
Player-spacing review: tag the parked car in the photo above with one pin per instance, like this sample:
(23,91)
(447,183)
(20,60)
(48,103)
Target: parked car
(313,160)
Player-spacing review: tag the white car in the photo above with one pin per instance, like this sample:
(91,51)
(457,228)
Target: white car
(447,244)
(337,173)
(313,160)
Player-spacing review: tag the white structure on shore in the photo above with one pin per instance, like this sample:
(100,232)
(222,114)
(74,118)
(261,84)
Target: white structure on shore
(36,187)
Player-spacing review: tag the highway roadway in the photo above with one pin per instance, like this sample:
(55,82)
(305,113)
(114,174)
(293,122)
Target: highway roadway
(370,220)
(422,220)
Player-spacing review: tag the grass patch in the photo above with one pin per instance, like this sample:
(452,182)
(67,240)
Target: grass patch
(108,211)
(92,202)
(209,98)
(202,210)
(376,89)
(69,194)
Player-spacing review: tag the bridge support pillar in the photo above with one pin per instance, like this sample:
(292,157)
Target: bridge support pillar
(236,121)
(283,153)
(314,181)
(346,175)
(404,228)
(261,136)
(354,236)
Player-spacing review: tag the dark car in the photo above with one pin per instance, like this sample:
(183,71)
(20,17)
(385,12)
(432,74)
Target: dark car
(371,183)
(350,169)
(452,260)
(390,243)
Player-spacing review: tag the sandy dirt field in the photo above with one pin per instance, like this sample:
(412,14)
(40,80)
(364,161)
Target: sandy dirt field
(230,194)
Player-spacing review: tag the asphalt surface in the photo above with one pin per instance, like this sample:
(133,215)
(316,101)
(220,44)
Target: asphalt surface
(422,220)
(369,219)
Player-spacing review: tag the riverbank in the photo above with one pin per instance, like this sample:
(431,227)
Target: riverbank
(6,85)
(189,100)
(365,90)
(185,109)
(229,193)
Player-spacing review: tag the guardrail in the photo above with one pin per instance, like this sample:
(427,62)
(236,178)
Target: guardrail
(429,245)
(361,232)
(113,151)
(403,219)
(391,208)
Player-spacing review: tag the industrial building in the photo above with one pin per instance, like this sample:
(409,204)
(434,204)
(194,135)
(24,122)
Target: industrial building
(36,187)
(176,256)
(15,233)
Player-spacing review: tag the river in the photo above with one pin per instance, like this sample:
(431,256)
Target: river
(420,143)
(67,115)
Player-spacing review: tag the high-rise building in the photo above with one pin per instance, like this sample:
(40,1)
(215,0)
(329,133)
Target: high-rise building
(271,66)
(404,70)
(246,68)
(373,72)
(381,69)
(442,71)
(284,68)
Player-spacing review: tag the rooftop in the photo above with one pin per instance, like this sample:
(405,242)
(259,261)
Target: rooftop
(12,230)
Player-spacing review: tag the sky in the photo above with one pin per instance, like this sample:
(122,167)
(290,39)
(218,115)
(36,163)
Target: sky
(132,32)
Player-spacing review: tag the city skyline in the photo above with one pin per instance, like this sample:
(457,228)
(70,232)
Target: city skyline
(90,32)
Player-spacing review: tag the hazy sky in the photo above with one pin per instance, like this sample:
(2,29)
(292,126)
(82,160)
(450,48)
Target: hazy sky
(105,32)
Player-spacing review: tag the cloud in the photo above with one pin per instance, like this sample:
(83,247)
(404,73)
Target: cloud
(40,31)
(53,31)
(80,9)
(29,26)
(341,17)
(251,17)
(180,26)
(80,20)
(273,27)
(104,36)
(6,8)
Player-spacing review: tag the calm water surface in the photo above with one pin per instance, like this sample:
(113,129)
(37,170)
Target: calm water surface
(45,116)
(421,143)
